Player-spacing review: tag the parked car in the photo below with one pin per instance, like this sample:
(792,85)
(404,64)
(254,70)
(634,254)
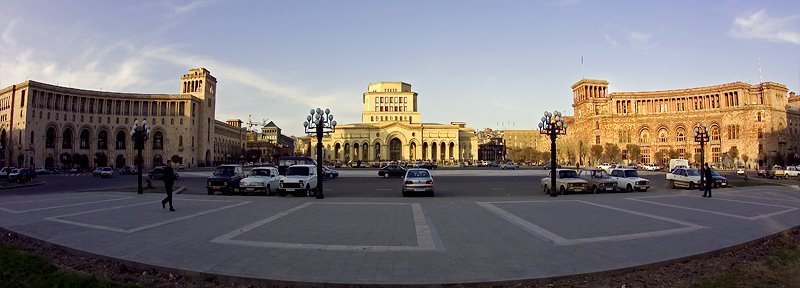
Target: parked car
(418,180)
(425,165)
(96,172)
(719,180)
(329,173)
(777,172)
(128,170)
(684,177)
(21,175)
(226,179)
(509,165)
(761,172)
(391,170)
(300,180)
(792,171)
(41,171)
(158,173)
(567,180)
(741,170)
(547,166)
(651,167)
(598,180)
(106,172)
(628,180)
(5,171)
(261,180)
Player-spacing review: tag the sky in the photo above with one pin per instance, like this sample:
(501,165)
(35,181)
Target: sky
(492,64)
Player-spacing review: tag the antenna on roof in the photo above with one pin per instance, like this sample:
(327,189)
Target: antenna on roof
(582,75)
(760,74)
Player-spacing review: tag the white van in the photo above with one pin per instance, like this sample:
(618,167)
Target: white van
(674,163)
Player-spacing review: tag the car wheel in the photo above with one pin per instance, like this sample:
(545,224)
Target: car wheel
(282,193)
(691,185)
(310,193)
(269,191)
(562,191)
(405,194)
(210,192)
(594,189)
(430,194)
(629,188)
(672,183)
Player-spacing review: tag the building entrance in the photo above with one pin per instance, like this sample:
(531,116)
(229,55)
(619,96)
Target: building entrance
(395,150)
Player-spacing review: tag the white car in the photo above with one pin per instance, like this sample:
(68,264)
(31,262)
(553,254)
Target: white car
(741,170)
(300,180)
(684,177)
(651,167)
(419,181)
(792,171)
(567,180)
(261,180)
(629,180)
(106,172)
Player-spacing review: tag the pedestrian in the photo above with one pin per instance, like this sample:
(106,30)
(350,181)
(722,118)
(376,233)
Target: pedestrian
(169,180)
(708,181)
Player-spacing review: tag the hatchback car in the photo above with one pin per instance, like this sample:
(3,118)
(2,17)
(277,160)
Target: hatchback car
(261,180)
(598,180)
(418,181)
(329,173)
(741,170)
(106,172)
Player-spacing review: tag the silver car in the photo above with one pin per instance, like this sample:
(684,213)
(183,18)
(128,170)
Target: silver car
(598,180)
(418,181)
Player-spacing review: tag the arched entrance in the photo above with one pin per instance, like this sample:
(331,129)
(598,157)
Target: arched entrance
(208,158)
(395,149)
(412,151)
(120,161)
(100,159)
(377,151)
(48,162)
(158,160)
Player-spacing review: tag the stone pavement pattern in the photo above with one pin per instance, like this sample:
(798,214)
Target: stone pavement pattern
(403,240)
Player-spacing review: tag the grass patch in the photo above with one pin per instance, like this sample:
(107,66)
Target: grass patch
(778,269)
(22,269)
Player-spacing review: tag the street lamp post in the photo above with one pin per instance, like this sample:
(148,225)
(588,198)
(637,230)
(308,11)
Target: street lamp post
(552,124)
(319,122)
(139,134)
(701,136)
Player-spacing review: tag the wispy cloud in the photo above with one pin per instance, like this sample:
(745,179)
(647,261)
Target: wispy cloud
(611,41)
(180,9)
(8,33)
(759,25)
(640,40)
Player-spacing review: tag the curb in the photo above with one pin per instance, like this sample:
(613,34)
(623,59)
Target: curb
(29,184)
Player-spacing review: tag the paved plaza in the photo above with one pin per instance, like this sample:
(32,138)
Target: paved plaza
(395,240)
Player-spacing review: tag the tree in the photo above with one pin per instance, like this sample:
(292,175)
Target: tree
(634,152)
(745,158)
(612,152)
(583,151)
(733,152)
(673,154)
(596,151)
(660,157)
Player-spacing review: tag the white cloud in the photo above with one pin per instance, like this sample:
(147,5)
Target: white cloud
(613,42)
(759,25)
(640,40)
(7,36)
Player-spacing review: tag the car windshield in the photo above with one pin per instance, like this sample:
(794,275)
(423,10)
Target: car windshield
(224,171)
(600,174)
(692,172)
(714,173)
(567,174)
(297,171)
(631,173)
(107,169)
(418,174)
(259,172)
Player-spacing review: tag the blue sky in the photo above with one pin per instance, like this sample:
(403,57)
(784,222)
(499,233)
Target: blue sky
(493,64)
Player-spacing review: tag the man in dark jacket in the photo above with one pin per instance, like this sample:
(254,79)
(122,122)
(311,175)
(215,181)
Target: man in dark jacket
(169,180)
(709,181)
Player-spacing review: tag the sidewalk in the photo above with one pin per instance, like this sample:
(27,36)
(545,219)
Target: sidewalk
(402,240)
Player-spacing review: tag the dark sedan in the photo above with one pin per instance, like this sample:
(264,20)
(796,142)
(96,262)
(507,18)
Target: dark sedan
(719,180)
(392,170)
(329,173)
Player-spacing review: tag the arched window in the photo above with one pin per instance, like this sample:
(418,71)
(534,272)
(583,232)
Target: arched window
(681,135)
(66,137)
(158,140)
(758,118)
(84,144)
(644,137)
(662,135)
(120,140)
(50,138)
(102,140)
(760,133)
(714,132)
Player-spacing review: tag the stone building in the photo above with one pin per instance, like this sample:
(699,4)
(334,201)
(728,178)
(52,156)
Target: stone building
(759,121)
(45,125)
(269,144)
(392,129)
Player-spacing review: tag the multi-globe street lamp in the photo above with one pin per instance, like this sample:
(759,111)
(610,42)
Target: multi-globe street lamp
(139,134)
(552,124)
(319,122)
(701,135)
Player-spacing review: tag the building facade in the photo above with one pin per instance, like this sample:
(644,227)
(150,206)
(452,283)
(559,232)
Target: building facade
(43,125)
(391,130)
(758,123)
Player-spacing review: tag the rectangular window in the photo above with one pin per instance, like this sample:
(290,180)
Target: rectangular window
(83,104)
(154,109)
(145,107)
(91,105)
(163,108)
(182,109)
(135,108)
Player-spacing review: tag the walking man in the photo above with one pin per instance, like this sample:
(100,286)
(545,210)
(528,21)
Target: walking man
(169,179)
(709,181)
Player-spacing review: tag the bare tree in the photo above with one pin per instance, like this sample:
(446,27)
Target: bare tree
(612,152)
(634,152)
(597,152)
